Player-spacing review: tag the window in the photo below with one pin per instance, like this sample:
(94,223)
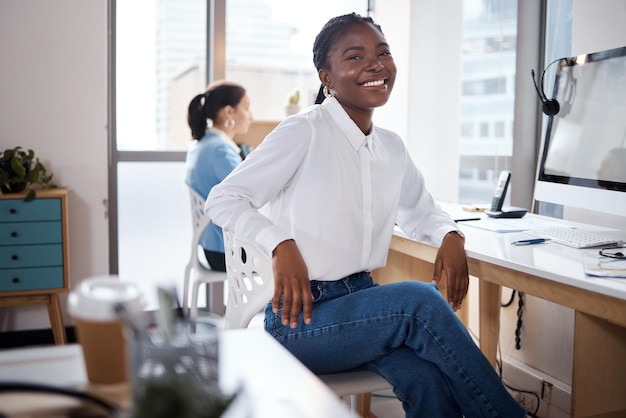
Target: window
(484,130)
(558,44)
(484,87)
(161,61)
(160,50)
(487,94)
(499,129)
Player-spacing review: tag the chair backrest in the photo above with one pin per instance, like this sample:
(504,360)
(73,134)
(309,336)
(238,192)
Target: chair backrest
(199,220)
(250,280)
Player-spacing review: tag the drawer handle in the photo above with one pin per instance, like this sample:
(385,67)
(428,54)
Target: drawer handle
(12,211)
(15,280)
(13,234)
(15,257)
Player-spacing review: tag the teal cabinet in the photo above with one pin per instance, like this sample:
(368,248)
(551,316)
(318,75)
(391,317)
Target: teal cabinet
(34,257)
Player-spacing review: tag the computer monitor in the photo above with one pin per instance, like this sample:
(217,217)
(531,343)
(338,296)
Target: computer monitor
(583,159)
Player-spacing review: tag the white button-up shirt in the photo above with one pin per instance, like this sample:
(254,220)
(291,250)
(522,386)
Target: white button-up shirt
(337,192)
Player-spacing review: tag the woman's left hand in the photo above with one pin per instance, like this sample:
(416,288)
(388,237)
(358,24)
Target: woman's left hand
(451,258)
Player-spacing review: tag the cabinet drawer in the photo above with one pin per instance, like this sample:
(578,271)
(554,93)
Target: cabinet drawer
(16,210)
(23,233)
(15,280)
(31,256)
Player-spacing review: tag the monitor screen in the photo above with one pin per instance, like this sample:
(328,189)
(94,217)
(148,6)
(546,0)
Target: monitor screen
(583,159)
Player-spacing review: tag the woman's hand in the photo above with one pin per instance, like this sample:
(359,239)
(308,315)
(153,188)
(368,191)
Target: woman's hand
(291,282)
(451,258)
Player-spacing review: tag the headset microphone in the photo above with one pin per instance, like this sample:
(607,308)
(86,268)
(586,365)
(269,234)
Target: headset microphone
(549,106)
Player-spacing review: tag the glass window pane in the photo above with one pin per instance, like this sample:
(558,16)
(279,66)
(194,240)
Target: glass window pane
(269,49)
(558,43)
(154,239)
(487,95)
(161,55)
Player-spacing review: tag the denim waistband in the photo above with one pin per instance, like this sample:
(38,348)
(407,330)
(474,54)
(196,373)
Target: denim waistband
(327,290)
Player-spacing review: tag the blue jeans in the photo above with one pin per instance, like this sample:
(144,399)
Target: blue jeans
(407,333)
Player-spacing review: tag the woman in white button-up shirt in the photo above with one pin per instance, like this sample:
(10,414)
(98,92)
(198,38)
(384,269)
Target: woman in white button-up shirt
(336,186)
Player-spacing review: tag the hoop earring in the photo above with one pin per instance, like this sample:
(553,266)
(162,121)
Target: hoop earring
(328,93)
(229,124)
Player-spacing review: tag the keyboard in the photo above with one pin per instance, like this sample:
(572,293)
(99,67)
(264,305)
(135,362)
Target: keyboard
(574,237)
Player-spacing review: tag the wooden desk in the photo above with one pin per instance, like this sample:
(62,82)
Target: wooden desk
(552,272)
(275,384)
(34,253)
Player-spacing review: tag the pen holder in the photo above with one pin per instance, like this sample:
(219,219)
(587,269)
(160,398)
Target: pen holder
(175,373)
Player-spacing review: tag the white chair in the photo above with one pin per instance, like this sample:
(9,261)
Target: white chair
(251,285)
(197,271)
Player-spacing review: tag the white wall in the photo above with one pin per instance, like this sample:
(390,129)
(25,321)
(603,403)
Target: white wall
(54,100)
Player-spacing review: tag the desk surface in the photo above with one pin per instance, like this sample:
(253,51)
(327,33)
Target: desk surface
(275,384)
(550,260)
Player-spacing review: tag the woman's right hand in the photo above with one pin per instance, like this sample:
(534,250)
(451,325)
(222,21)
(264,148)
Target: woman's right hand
(291,282)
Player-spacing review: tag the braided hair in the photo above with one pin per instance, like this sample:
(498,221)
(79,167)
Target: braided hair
(208,105)
(334,28)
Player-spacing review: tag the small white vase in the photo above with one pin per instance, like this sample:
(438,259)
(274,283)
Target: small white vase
(292,109)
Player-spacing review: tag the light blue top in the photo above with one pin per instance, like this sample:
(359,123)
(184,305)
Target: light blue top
(209,161)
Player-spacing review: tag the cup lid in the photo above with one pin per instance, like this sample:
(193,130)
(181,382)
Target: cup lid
(95,298)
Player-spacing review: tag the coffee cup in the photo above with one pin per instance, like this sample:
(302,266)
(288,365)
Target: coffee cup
(99,330)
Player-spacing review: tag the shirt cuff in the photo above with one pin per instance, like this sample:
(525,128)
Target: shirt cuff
(441,232)
(270,237)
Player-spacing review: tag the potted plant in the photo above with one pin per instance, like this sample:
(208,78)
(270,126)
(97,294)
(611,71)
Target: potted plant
(20,169)
(293,104)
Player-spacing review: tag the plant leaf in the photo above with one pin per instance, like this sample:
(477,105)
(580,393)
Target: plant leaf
(18,167)
(30,195)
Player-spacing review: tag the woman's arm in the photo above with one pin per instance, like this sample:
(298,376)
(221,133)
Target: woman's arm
(233,204)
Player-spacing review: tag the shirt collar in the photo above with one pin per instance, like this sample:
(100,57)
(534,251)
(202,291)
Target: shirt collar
(350,130)
(225,138)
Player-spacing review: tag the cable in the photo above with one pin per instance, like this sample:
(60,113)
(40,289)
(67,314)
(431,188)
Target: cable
(34,387)
(520,313)
(506,305)
(520,322)
(530,392)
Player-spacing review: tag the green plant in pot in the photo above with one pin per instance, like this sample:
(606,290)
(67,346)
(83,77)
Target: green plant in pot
(20,169)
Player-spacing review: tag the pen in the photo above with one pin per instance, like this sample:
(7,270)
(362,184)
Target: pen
(530,241)
(466,219)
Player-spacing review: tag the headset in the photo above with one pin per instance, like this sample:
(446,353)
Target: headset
(550,107)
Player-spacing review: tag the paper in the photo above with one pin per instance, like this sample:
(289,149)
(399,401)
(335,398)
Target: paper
(511,225)
(599,266)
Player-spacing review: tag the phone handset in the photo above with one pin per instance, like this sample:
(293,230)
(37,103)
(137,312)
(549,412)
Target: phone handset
(497,202)
(500,192)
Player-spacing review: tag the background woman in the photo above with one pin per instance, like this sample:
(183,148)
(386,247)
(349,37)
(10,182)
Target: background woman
(215,117)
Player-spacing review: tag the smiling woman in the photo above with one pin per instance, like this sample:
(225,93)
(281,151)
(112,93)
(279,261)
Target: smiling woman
(336,186)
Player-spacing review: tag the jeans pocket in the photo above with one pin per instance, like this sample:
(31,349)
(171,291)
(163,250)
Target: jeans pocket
(318,290)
